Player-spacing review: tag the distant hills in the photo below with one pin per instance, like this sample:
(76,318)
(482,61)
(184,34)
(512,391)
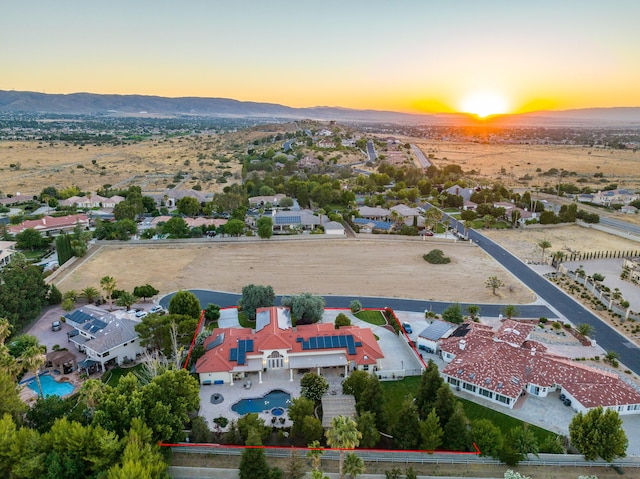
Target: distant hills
(156,106)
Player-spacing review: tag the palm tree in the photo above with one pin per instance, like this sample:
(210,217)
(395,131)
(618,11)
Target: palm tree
(126,299)
(32,359)
(353,465)
(558,256)
(585,329)
(510,311)
(343,434)
(611,356)
(315,453)
(473,310)
(108,284)
(90,294)
(543,245)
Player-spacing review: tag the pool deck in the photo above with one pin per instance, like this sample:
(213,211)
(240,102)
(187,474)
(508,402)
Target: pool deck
(29,396)
(272,380)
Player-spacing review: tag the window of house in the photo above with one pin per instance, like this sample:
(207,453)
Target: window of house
(485,393)
(365,367)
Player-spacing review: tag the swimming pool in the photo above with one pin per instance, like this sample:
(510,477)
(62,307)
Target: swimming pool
(273,399)
(51,387)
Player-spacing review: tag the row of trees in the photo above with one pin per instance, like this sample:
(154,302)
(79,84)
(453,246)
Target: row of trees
(305,308)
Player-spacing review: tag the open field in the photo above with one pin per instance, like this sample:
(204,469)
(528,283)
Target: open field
(524,242)
(617,166)
(339,267)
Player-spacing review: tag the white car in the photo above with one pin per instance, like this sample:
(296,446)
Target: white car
(156,309)
(141,314)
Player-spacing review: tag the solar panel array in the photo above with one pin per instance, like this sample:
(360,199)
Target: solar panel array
(330,342)
(239,354)
(288,220)
(216,342)
(379,225)
(78,316)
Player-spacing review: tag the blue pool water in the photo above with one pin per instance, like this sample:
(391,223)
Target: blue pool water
(51,387)
(273,399)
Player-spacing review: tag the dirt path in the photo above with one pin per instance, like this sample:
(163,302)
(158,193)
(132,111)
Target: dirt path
(339,267)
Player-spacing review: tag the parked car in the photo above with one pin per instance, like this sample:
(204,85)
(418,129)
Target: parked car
(407,328)
(141,314)
(156,309)
(56,325)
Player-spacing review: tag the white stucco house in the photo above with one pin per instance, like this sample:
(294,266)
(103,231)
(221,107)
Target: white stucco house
(102,336)
(277,348)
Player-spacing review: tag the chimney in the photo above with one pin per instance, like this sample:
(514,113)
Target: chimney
(462,344)
(44,221)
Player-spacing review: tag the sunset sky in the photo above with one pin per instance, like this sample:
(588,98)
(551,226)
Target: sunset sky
(400,55)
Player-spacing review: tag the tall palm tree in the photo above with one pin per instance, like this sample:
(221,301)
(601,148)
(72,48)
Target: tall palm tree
(32,359)
(343,434)
(108,284)
(353,465)
(543,245)
(315,453)
(90,294)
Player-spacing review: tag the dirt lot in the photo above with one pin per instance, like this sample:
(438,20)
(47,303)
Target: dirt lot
(342,267)
(617,166)
(524,243)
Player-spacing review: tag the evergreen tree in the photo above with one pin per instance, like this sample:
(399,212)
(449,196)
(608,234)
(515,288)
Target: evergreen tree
(456,432)
(445,404)
(253,464)
(405,429)
(430,382)
(431,432)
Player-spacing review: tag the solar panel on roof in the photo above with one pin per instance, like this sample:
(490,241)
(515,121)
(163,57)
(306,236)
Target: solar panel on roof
(233,354)
(288,220)
(343,340)
(299,340)
(250,345)
(305,346)
(358,344)
(351,347)
(216,342)
(313,343)
(335,341)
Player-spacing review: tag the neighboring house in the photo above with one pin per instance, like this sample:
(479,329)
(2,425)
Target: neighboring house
(93,201)
(325,143)
(585,198)
(51,225)
(374,213)
(275,346)
(308,162)
(333,228)
(288,220)
(429,337)
(369,226)
(169,198)
(501,366)
(469,205)
(263,200)
(458,190)
(104,337)
(16,199)
(612,197)
(191,222)
(405,212)
(628,209)
(6,252)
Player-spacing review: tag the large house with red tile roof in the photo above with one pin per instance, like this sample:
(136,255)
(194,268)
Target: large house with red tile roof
(275,345)
(51,225)
(503,365)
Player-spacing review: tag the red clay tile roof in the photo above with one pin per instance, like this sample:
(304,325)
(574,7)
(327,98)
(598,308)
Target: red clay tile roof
(271,337)
(506,369)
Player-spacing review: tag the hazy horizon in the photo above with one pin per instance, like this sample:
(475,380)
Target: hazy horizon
(409,56)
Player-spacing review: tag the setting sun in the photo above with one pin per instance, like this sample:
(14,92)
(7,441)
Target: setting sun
(484,104)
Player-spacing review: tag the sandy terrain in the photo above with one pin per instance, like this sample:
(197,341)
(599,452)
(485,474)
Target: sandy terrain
(617,166)
(341,267)
(524,243)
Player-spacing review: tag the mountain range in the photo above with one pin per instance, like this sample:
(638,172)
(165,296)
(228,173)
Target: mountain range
(156,106)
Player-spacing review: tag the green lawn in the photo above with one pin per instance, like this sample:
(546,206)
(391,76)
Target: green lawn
(244,322)
(35,255)
(373,317)
(112,378)
(396,391)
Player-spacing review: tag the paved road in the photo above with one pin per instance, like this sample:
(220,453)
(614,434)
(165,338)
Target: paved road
(620,225)
(398,304)
(424,162)
(607,337)
(371,151)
